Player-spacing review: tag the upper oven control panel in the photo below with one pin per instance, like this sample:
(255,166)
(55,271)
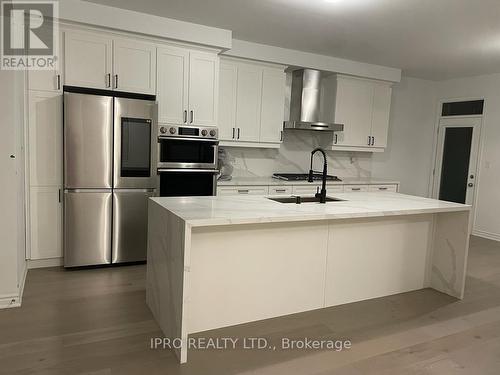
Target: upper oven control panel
(187,131)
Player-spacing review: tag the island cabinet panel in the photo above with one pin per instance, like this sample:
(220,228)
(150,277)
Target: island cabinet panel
(363,263)
(269,270)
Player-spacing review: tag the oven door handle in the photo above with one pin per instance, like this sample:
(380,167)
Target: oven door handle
(163,138)
(166,170)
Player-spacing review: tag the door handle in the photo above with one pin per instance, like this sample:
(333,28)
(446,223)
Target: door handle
(185,116)
(191,113)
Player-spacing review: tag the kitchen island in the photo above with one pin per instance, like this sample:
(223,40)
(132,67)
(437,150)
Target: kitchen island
(219,261)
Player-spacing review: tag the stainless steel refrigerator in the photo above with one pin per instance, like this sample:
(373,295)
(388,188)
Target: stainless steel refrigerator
(109,174)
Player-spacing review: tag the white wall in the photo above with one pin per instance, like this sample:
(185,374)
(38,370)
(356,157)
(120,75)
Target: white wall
(487,221)
(12,232)
(408,157)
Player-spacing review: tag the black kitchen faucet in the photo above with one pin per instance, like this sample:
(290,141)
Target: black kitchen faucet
(321,195)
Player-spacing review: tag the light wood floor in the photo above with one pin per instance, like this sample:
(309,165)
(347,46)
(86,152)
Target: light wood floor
(96,322)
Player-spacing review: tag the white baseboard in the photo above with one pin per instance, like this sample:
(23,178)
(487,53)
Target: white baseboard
(487,235)
(10,301)
(43,263)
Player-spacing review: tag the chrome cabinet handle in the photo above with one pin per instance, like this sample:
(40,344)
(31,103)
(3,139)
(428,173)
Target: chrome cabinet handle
(108,80)
(191,114)
(233,132)
(238,133)
(58,81)
(185,116)
(116,81)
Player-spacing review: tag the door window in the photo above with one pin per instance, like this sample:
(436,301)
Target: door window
(135,147)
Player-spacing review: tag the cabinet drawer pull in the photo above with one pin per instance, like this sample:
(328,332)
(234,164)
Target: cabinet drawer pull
(243,191)
(280,190)
(382,188)
(356,189)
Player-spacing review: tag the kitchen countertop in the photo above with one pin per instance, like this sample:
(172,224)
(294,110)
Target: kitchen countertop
(228,210)
(265,181)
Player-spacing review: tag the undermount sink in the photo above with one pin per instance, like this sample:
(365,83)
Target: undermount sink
(299,200)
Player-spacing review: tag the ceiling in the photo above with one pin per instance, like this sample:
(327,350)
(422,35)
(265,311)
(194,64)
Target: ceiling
(432,39)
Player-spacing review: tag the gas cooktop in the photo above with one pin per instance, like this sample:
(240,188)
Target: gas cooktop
(303,177)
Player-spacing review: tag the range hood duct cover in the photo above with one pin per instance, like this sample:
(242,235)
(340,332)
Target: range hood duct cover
(305,103)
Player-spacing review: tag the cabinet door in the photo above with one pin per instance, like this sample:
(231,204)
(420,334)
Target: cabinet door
(87,60)
(388,187)
(47,80)
(172,85)
(227,100)
(248,103)
(203,88)
(242,190)
(354,110)
(380,115)
(355,188)
(45,138)
(134,66)
(273,105)
(306,189)
(45,222)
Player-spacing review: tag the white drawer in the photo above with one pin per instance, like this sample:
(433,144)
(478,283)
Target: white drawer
(280,190)
(355,188)
(389,187)
(242,190)
(305,189)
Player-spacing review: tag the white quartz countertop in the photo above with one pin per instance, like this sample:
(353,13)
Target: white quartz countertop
(264,181)
(230,210)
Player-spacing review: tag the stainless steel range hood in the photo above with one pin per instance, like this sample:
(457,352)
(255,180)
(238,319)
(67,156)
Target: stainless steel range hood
(306,112)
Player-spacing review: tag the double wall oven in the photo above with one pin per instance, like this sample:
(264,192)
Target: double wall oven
(187,160)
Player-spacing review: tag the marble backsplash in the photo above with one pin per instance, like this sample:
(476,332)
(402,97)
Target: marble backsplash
(294,156)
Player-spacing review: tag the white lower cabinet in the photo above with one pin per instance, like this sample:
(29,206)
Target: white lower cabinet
(280,190)
(45,222)
(355,188)
(242,190)
(389,187)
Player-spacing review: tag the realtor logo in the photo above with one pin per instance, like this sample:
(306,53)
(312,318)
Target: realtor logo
(29,35)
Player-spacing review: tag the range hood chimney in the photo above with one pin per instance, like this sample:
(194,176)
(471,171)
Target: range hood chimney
(305,103)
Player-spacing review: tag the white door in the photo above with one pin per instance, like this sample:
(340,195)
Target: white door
(456,159)
(134,66)
(87,60)
(380,115)
(273,105)
(354,110)
(172,85)
(248,103)
(203,88)
(45,161)
(227,100)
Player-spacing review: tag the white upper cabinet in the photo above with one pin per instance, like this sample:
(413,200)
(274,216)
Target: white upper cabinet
(248,103)
(172,85)
(227,101)
(251,103)
(273,105)
(380,115)
(47,80)
(203,88)
(134,66)
(88,60)
(363,106)
(187,86)
(101,62)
